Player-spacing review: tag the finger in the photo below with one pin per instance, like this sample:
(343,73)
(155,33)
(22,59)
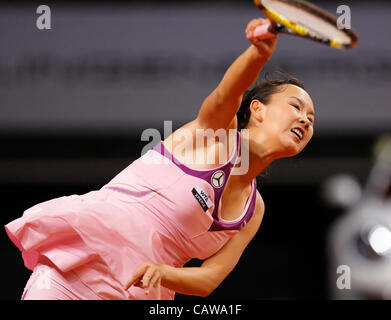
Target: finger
(266,43)
(138,283)
(158,288)
(250,27)
(147,276)
(271,42)
(152,282)
(264,47)
(135,276)
(255,23)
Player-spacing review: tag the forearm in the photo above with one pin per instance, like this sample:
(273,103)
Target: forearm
(242,74)
(218,110)
(189,280)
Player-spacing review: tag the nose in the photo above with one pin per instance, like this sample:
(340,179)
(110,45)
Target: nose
(305,121)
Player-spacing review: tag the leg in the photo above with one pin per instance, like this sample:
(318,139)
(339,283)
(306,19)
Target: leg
(49,283)
(46,283)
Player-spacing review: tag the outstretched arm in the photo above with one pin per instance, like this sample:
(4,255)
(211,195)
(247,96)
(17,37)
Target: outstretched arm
(220,107)
(203,280)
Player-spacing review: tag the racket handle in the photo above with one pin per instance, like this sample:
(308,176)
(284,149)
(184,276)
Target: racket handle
(264,31)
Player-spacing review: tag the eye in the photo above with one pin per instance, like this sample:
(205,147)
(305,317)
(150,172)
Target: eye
(311,120)
(295,106)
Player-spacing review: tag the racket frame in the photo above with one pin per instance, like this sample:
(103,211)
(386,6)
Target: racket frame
(283,25)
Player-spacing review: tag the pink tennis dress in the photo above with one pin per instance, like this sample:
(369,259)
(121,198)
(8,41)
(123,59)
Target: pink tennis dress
(156,209)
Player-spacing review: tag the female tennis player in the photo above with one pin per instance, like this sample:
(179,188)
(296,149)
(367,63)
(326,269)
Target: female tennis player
(131,238)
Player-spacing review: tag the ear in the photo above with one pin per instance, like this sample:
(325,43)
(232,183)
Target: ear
(257,109)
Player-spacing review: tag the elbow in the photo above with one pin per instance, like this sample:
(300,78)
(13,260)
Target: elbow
(219,96)
(207,290)
(203,290)
(205,293)
(227,98)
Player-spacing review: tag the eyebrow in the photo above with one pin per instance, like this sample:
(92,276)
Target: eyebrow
(303,104)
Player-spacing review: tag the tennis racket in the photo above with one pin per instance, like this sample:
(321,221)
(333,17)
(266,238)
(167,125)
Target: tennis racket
(303,19)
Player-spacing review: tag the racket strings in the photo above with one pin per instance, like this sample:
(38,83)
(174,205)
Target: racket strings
(296,16)
(315,32)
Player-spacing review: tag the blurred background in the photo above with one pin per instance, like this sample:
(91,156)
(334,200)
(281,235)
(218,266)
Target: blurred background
(75,99)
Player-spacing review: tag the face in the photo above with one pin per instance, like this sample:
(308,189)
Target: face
(287,120)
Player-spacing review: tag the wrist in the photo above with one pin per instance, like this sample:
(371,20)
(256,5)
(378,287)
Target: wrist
(164,271)
(259,53)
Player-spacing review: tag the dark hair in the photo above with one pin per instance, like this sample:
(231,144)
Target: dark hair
(262,92)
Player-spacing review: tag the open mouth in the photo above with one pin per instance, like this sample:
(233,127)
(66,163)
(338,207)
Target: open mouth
(298,132)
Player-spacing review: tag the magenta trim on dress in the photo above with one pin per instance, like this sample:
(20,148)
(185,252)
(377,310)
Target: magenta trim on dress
(206,175)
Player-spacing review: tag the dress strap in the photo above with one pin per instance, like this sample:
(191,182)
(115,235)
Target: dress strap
(245,217)
(217,183)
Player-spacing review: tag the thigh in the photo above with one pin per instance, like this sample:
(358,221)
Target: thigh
(45,284)
(48,283)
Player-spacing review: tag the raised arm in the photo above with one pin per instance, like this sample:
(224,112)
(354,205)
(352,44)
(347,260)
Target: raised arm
(220,107)
(201,281)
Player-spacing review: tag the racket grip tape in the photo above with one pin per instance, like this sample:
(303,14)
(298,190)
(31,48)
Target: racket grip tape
(264,31)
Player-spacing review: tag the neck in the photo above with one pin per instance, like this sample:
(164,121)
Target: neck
(258,154)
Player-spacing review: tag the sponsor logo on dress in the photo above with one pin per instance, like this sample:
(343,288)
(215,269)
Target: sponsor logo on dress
(218,178)
(202,197)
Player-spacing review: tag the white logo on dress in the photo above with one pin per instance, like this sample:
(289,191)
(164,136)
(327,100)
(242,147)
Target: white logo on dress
(217,179)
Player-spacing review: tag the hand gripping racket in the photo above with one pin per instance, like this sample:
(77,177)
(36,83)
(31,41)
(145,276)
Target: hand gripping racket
(303,19)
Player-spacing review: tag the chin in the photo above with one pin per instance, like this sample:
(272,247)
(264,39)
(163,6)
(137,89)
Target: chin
(291,150)
(291,154)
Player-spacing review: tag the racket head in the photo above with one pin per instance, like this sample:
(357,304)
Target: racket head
(301,18)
